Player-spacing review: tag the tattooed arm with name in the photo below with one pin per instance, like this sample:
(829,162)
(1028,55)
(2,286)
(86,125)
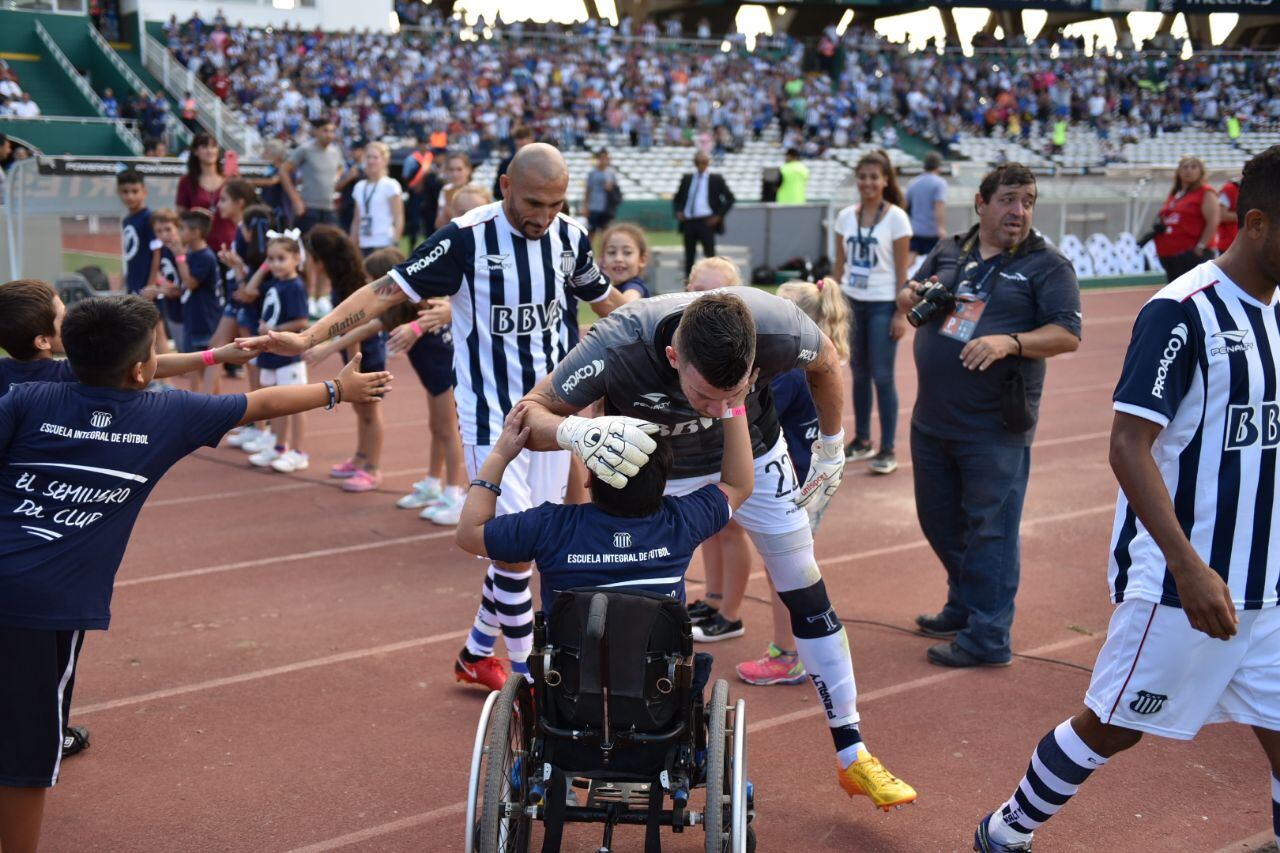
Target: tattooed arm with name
(436,269)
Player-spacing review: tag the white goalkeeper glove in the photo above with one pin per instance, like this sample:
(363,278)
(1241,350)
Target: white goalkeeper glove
(825,473)
(613,447)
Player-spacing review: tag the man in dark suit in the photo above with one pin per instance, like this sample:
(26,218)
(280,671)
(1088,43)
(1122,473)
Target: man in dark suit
(700,205)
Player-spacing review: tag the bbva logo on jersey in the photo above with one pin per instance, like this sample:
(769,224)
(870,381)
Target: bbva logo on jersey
(1254,423)
(524,319)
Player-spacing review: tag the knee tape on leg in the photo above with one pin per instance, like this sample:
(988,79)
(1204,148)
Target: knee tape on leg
(788,557)
(811,613)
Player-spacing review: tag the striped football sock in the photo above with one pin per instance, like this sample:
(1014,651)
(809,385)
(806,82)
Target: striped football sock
(486,628)
(1058,768)
(1275,807)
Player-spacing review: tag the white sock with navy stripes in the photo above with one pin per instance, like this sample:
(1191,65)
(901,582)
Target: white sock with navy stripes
(514,606)
(1059,766)
(1275,807)
(486,628)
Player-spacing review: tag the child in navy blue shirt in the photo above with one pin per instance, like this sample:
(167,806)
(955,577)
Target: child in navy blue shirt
(624,256)
(198,272)
(284,309)
(168,287)
(633,537)
(139,246)
(77,461)
(244,260)
(31,315)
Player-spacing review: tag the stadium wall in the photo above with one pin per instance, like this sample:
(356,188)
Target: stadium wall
(374,15)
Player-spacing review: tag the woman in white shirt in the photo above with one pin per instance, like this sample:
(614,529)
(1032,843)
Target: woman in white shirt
(871,264)
(379,218)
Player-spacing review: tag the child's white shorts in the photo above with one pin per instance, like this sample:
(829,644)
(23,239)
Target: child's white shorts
(532,479)
(290,374)
(1157,674)
(771,507)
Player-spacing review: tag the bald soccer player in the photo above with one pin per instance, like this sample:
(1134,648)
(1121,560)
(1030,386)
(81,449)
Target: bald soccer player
(515,270)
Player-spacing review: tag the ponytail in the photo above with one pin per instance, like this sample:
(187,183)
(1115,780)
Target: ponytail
(825,305)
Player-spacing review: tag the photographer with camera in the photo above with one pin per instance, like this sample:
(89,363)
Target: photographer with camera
(990,306)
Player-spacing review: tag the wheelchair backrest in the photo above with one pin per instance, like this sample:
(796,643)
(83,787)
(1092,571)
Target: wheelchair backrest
(649,647)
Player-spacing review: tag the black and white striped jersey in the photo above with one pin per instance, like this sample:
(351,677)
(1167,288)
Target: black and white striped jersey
(1203,363)
(515,306)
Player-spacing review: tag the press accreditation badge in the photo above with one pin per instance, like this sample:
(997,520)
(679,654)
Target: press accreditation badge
(964,318)
(859,275)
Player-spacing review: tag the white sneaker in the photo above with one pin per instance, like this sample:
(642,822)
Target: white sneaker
(291,461)
(266,457)
(425,493)
(324,304)
(242,436)
(263,441)
(446,513)
(313,308)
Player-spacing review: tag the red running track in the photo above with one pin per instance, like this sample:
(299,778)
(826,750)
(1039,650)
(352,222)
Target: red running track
(278,676)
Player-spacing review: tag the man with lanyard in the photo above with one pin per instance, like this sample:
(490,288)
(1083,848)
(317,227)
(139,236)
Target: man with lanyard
(673,364)
(980,367)
(515,270)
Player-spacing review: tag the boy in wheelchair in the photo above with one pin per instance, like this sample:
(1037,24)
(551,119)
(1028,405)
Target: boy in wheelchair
(627,540)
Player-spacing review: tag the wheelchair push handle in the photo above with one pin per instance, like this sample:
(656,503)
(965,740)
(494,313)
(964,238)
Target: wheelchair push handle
(596,617)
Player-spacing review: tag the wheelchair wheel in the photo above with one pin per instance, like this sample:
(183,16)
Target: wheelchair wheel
(505,827)
(713,818)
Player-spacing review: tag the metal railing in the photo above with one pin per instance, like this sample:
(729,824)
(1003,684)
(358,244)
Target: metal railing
(179,135)
(130,139)
(231,132)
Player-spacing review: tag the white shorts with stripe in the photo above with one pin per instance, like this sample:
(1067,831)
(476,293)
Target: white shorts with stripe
(532,478)
(771,507)
(1157,674)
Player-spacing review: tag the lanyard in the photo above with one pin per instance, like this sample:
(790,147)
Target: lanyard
(862,241)
(370,189)
(984,269)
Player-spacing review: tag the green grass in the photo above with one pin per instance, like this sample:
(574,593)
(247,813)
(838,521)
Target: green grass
(72,261)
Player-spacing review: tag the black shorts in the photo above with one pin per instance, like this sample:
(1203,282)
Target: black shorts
(922,245)
(38,671)
(598,220)
(432,358)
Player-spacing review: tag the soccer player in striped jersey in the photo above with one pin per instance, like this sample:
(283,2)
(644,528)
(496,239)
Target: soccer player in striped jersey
(515,270)
(1195,562)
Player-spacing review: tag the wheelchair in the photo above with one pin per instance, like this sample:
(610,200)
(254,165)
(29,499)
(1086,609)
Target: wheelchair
(613,730)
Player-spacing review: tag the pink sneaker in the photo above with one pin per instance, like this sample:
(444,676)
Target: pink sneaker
(362,481)
(343,470)
(774,668)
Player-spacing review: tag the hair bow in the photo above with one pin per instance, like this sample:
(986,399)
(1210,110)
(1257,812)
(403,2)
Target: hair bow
(294,234)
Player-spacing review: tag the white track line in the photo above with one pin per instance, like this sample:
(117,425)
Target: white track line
(383,829)
(342,657)
(758,726)
(287,558)
(297,483)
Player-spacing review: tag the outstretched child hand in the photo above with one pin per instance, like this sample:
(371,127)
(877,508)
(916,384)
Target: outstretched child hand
(355,387)
(515,435)
(232,354)
(402,339)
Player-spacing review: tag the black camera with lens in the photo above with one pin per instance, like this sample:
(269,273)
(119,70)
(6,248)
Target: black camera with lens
(1157,228)
(935,300)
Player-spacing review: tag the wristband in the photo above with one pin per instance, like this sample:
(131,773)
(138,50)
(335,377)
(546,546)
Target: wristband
(1017,341)
(735,412)
(417,330)
(207,357)
(485,484)
(838,438)
(337,385)
(333,395)
(262,266)
(182,259)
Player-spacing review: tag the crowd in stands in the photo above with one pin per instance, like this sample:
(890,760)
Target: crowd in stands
(644,88)
(14,102)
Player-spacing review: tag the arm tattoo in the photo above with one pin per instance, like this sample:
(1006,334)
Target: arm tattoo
(385,287)
(348,322)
